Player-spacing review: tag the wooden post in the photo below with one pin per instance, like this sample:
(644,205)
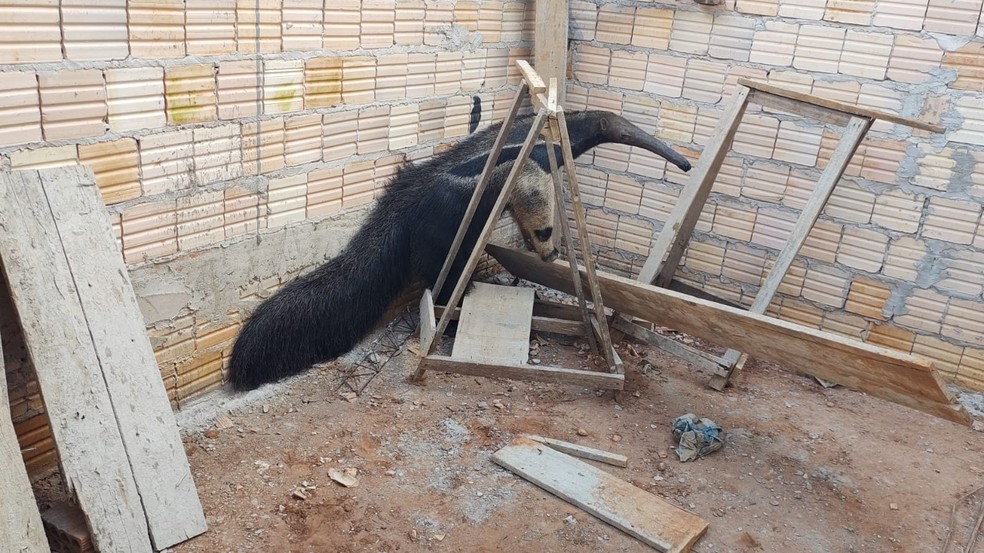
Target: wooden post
(20,522)
(550,43)
(850,140)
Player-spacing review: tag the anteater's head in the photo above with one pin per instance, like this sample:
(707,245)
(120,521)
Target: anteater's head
(593,128)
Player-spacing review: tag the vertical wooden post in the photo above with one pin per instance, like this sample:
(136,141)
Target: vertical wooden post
(550,44)
(20,521)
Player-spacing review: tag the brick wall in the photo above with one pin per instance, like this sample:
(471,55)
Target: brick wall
(235,143)
(897,258)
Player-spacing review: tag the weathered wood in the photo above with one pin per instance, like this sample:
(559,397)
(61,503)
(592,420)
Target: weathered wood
(798,107)
(536,373)
(21,529)
(581,451)
(565,226)
(427,320)
(688,354)
(673,238)
(550,42)
(604,337)
(91,451)
(483,182)
(900,378)
(840,106)
(495,325)
(632,510)
(849,142)
(126,356)
(532,78)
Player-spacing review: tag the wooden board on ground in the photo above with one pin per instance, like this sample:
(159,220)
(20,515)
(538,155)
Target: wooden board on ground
(890,375)
(581,451)
(20,522)
(91,452)
(86,329)
(636,512)
(494,325)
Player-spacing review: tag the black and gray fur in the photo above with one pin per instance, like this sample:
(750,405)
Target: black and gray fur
(407,234)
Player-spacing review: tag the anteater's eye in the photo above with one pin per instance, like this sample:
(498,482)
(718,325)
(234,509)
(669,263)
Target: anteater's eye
(543,234)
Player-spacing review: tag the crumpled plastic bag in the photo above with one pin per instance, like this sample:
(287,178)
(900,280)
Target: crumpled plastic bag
(695,437)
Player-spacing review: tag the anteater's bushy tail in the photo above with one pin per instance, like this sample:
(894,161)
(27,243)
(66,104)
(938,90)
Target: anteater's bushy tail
(322,314)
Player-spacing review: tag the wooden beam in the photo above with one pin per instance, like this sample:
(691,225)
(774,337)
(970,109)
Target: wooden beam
(561,325)
(849,109)
(688,354)
(537,373)
(654,521)
(90,445)
(849,142)
(427,320)
(550,43)
(886,374)
(583,452)
(798,107)
(21,529)
(679,226)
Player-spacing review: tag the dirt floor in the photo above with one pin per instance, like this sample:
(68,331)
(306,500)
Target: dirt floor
(805,469)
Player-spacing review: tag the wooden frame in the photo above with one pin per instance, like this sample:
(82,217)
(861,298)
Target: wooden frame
(593,324)
(880,372)
(661,265)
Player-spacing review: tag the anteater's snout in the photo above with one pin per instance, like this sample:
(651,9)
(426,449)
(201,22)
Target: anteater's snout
(551,256)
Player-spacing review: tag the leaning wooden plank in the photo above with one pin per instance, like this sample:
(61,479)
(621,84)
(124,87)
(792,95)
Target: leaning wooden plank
(632,510)
(840,106)
(890,375)
(581,451)
(126,356)
(90,448)
(688,354)
(495,325)
(427,320)
(21,529)
(573,377)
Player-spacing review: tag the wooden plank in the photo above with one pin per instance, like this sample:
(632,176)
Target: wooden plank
(840,106)
(640,514)
(581,451)
(494,325)
(797,107)
(427,320)
(554,131)
(886,374)
(849,142)
(21,529)
(550,42)
(143,412)
(537,373)
(604,337)
(688,354)
(679,226)
(483,182)
(533,80)
(90,446)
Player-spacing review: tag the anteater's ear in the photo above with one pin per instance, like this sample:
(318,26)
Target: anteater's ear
(604,124)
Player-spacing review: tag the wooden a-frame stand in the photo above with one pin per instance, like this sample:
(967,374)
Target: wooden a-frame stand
(501,312)
(665,255)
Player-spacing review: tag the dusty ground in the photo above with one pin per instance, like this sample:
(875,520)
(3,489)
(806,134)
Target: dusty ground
(805,469)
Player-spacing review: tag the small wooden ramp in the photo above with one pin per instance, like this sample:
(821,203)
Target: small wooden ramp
(886,374)
(495,325)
